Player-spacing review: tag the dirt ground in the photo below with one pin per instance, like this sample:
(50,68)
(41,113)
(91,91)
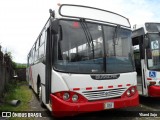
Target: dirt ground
(35,106)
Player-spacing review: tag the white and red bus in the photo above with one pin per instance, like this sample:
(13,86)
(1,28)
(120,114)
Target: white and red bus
(146,42)
(82,61)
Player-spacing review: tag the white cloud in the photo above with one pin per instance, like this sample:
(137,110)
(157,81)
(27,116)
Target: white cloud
(22,20)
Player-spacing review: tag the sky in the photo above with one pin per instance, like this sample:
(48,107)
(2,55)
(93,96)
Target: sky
(22,20)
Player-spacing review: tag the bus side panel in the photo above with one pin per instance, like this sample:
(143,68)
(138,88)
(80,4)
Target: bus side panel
(35,70)
(28,76)
(58,83)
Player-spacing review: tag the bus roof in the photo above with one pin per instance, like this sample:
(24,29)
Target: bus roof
(147,27)
(91,13)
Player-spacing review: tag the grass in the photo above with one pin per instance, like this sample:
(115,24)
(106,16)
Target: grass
(17,91)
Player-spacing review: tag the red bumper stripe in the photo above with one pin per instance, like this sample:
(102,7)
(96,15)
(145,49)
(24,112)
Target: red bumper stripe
(119,85)
(110,86)
(100,87)
(89,88)
(75,89)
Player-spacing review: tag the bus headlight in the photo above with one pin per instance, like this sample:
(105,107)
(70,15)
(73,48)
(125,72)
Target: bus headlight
(65,96)
(128,93)
(133,90)
(74,98)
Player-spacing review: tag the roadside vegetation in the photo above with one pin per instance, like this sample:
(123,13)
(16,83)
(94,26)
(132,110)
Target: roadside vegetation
(17,91)
(13,89)
(19,65)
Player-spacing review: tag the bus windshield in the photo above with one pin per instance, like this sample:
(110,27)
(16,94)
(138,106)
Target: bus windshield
(85,47)
(153,52)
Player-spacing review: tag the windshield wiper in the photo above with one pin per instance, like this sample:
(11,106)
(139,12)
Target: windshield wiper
(115,35)
(85,32)
(88,35)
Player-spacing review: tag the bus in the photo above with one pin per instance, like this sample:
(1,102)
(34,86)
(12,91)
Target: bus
(146,42)
(82,61)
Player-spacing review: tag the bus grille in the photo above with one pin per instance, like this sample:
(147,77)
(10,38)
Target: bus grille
(104,94)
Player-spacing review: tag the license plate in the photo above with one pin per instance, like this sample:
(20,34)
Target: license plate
(108,105)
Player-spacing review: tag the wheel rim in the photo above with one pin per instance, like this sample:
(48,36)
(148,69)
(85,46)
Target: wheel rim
(40,93)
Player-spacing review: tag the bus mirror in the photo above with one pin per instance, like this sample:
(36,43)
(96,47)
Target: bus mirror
(146,42)
(54,26)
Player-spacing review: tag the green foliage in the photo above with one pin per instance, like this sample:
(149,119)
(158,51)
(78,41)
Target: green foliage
(14,65)
(17,91)
(18,65)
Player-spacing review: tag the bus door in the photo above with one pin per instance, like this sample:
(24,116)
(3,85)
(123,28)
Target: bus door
(139,59)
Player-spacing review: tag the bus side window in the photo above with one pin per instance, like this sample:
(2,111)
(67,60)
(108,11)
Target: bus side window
(41,51)
(42,44)
(42,38)
(33,54)
(37,50)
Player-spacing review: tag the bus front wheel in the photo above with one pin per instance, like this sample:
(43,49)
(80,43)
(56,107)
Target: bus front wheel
(40,96)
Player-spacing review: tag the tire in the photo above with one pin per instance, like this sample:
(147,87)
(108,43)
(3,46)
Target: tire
(29,86)
(40,96)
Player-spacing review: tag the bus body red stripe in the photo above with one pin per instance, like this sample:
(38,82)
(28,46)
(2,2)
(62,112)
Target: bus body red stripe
(88,88)
(110,86)
(119,85)
(76,89)
(100,87)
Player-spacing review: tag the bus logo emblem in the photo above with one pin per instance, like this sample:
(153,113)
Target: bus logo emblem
(106,93)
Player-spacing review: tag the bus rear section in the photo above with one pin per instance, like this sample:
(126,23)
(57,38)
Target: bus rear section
(146,41)
(88,65)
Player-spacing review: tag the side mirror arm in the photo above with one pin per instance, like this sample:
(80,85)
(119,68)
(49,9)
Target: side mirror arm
(54,26)
(146,41)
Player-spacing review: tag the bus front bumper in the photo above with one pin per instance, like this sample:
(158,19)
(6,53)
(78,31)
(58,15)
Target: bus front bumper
(154,91)
(62,108)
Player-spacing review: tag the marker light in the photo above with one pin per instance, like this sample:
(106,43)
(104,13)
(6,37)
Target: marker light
(75,24)
(59,4)
(149,78)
